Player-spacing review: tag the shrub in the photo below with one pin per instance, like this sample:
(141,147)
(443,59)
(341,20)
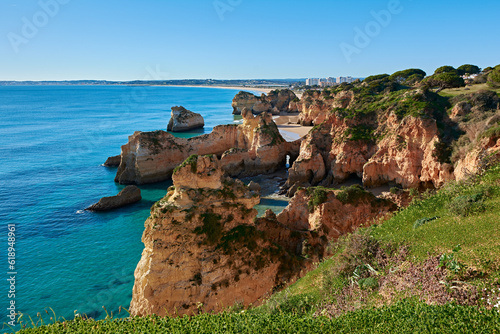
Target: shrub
(376,77)
(444,80)
(466,205)
(351,194)
(360,132)
(318,196)
(422,221)
(192,160)
(405,75)
(468,69)
(446,69)
(212,227)
(494,77)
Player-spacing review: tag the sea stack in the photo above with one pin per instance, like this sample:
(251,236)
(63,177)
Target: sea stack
(184,120)
(129,195)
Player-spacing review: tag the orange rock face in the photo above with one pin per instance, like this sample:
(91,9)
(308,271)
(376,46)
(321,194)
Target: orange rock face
(251,148)
(315,106)
(333,217)
(488,148)
(202,247)
(275,102)
(406,156)
(380,149)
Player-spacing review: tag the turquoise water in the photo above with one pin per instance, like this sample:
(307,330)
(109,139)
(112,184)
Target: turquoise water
(53,142)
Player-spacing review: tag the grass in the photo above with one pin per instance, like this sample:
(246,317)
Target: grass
(404,317)
(451,92)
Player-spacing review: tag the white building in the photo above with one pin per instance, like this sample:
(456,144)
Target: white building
(312,82)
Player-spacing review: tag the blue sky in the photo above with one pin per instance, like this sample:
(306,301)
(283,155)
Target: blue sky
(241,39)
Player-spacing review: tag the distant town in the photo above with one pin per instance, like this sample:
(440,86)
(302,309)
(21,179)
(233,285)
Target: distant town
(328,82)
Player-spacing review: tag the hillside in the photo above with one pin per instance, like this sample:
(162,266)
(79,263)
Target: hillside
(380,279)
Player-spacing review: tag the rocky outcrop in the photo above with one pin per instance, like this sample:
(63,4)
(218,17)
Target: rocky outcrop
(252,148)
(275,102)
(381,147)
(184,120)
(332,213)
(113,161)
(328,156)
(407,156)
(486,152)
(129,195)
(315,106)
(203,249)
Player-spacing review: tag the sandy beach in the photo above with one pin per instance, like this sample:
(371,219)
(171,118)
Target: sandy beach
(263,90)
(289,129)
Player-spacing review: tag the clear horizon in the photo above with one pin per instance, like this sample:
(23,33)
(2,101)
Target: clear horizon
(57,40)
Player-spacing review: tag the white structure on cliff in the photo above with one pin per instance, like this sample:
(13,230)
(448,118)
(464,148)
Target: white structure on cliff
(328,82)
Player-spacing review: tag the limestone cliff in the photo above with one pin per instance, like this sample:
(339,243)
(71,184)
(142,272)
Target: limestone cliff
(275,102)
(203,249)
(332,213)
(251,148)
(315,106)
(478,116)
(396,137)
(184,120)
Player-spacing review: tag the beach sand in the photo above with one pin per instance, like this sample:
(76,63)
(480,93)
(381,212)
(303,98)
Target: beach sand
(289,129)
(263,90)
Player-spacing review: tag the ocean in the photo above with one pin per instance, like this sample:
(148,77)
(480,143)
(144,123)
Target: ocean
(54,140)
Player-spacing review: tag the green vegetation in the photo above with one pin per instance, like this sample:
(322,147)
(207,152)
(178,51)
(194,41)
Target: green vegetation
(450,256)
(446,69)
(376,77)
(468,69)
(404,317)
(192,160)
(351,194)
(493,132)
(272,131)
(444,80)
(360,132)
(408,77)
(420,239)
(212,228)
(318,196)
(494,77)
(238,237)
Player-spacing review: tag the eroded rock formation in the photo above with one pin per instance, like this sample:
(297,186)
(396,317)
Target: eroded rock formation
(113,161)
(202,247)
(332,213)
(380,146)
(129,195)
(184,120)
(275,102)
(254,147)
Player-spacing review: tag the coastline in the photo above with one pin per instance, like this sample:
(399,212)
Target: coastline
(287,124)
(263,90)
